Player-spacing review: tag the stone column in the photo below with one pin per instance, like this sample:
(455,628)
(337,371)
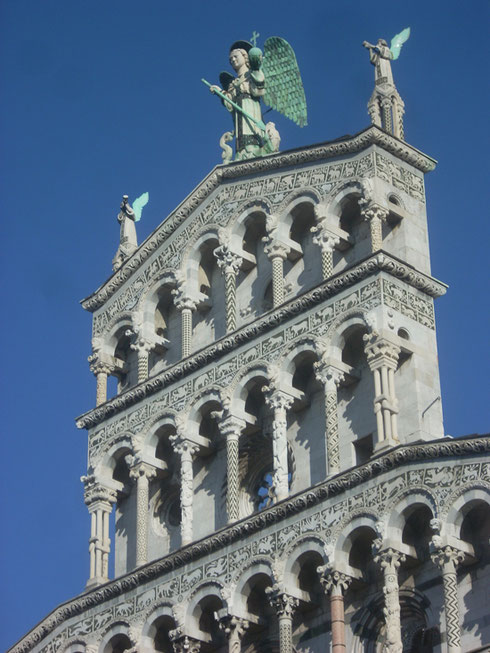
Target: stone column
(185,305)
(389,560)
(447,559)
(186,450)
(143,347)
(284,605)
(280,402)
(382,356)
(231,428)
(331,377)
(327,242)
(101,371)
(375,214)
(335,585)
(234,629)
(99,501)
(142,474)
(230,264)
(277,253)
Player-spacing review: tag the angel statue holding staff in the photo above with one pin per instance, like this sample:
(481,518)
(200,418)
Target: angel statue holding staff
(275,78)
(386,107)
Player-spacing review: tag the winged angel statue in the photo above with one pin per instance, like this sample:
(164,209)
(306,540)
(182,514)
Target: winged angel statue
(273,77)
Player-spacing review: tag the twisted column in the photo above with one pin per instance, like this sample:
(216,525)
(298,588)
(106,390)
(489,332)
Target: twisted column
(234,629)
(279,402)
(277,253)
(382,357)
(335,584)
(230,264)
(231,428)
(389,560)
(284,605)
(327,242)
(142,474)
(185,305)
(99,501)
(447,559)
(331,377)
(375,215)
(101,371)
(186,450)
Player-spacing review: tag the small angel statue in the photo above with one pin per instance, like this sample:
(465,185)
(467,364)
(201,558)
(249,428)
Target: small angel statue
(386,107)
(273,77)
(127,217)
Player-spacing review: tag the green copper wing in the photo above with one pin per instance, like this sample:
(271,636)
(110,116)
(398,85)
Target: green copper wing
(397,42)
(139,204)
(283,86)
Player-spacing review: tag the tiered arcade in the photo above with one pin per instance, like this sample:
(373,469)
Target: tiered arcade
(273,456)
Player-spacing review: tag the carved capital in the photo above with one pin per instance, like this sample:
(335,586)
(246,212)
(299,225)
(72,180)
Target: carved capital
(183,643)
(276,249)
(182,446)
(278,400)
(96,492)
(98,366)
(233,627)
(388,559)
(329,375)
(447,557)
(229,425)
(371,211)
(182,300)
(324,238)
(380,351)
(139,468)
(227,260)
(284,604)
(333,581)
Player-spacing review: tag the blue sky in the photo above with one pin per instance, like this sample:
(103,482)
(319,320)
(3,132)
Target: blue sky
(102,98)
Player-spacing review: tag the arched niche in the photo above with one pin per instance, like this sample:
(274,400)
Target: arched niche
(356,418)
(164,535)
(306,419)
(303,269)
(209,467)
(207,284)
(254,278)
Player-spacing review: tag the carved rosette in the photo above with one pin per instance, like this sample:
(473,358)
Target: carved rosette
(448,558)
(389,560)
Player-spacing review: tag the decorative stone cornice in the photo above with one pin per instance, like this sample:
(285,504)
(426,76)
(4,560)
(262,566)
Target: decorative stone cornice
(380,262)
(403,454)
(370,136)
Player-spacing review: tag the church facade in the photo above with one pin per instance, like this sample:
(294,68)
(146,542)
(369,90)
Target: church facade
(273,465)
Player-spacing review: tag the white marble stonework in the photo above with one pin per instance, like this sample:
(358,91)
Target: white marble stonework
(271,472)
